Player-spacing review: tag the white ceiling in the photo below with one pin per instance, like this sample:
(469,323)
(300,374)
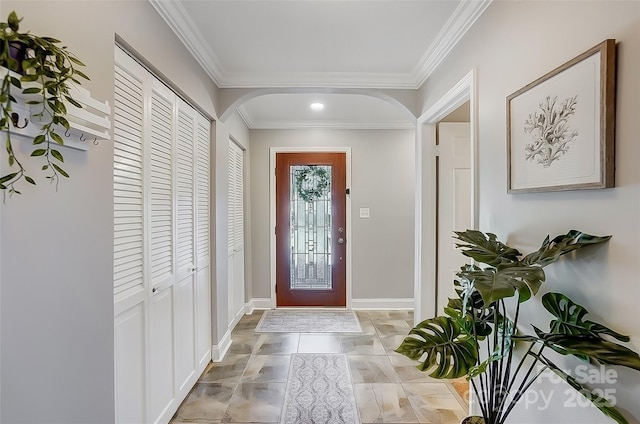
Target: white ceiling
(322,43)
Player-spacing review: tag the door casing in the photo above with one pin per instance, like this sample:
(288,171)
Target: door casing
(425,217)
(272,213)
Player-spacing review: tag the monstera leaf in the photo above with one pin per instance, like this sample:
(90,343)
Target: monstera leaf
(467,322)
(570,317)
(550,251)
(486,248)
(447,350)
(498,284)
(598,401)
(594,348)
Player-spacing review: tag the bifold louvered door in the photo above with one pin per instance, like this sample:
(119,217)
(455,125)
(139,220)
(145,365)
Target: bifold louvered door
(235,232)
(161,245)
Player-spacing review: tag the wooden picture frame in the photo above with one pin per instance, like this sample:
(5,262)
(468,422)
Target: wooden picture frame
(561,127)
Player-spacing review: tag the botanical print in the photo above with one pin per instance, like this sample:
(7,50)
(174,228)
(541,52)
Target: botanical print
(550,130)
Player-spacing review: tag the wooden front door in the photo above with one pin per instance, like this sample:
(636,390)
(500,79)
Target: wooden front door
(311,229)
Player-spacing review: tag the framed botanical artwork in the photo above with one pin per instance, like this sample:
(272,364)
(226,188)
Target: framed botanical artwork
(561,127)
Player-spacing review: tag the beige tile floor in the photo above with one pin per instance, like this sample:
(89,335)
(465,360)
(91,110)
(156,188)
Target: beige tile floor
(248,386)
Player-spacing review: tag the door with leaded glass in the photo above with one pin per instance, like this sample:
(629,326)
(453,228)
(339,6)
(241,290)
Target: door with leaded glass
(310,229)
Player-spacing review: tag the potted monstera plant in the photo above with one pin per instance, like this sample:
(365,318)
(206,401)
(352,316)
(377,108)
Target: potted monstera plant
(477,336)
(42,71)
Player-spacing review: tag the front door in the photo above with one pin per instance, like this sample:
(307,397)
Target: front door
(311,229)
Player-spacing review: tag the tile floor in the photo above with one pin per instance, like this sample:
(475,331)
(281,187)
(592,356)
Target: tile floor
(248,386)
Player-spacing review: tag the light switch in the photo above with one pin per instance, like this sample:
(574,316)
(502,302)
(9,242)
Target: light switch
(365,213)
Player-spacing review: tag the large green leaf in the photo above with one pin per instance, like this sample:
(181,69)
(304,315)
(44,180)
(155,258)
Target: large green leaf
(447,351)
(485,248)
(550,251)
(595,348)
(570,318)
(598,401)
(495,284)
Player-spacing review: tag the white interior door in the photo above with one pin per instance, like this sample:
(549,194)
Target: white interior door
(161,235)
(131,292)
(185,253)
(454,203)
(161,241)
(236,232)
(203,288)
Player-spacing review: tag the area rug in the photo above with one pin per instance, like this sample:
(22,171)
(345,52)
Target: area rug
(319,391)
(308,321)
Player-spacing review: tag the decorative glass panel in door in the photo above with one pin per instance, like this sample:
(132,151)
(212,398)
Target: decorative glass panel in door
(310,235)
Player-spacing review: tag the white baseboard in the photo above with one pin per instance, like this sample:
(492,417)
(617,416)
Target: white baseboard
(220,350)
(379,304)
(237,317)
(258,303)
(383,304)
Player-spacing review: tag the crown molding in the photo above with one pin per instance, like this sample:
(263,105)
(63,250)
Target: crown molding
(183,26)
(319,79)
(330,125)
(465,15)
(246,116)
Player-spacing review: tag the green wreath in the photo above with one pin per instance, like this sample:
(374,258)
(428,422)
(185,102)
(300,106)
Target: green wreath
(312,183)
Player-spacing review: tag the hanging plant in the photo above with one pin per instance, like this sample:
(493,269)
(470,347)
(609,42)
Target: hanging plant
(312,183)
(53,68)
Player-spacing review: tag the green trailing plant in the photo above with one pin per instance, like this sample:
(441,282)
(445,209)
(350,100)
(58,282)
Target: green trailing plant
(44,74)
(477,336)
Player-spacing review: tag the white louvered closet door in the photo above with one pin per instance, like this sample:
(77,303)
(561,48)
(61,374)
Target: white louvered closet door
(161,241)
(185,247)
(203,270)
(130,288)
(235,231)
(161,227)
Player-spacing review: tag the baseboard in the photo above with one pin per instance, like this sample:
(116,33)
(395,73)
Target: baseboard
(258,303)
(237,317)
(383,304)
(220,350)
(380,304)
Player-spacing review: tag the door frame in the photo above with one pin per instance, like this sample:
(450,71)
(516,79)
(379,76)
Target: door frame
(272,212)
(426,188)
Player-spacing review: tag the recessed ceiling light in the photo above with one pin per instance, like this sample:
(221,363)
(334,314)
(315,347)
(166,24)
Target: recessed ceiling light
(316,106)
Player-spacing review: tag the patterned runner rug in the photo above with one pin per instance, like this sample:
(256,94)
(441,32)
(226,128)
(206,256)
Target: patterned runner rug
(319,391)
(308,321)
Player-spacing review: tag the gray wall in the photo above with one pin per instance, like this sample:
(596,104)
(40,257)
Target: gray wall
(511,45)
(382,180)
(56,258)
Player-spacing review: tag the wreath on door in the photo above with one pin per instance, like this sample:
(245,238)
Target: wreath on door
(312,183)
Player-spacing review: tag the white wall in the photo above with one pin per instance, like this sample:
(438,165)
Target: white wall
(511,45)
(57,247)
(382,180)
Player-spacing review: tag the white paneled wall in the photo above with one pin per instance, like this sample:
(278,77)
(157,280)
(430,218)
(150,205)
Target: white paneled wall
(161,245)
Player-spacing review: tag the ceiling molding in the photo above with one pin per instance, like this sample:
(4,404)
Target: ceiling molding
(465,15)
(246,117)
(319,79)
(333,125)
(183,26)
